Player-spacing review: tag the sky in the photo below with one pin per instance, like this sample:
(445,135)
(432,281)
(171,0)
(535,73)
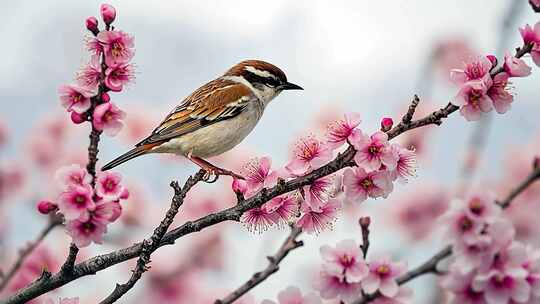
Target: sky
(363,56)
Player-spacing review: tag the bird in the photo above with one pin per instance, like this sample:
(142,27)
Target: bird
(216,117)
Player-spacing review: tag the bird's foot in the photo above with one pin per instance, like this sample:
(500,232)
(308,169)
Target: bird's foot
(212,172)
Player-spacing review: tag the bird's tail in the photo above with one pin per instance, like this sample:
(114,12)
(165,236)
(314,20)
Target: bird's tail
(135,152)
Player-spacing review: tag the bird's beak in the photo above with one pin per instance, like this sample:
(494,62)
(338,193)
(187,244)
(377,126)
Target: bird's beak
(290,86)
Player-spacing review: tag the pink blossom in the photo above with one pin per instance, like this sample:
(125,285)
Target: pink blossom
(309,154)
(92,25)
(460,285)
(406,163)
(77,118)
(118,76)
(88,230)
(373,151)
(46,207)
(118,47)
(319,191)
(107,118)
(360,185)
(475,69)
(293,295)
(108,13)
(382,276)
(502,286)
(75,98)
(482,205)
(499,93)
(75,201)
(281,208)
(239,186)
(346,258)
(338,132)
(332,285)
(317,220)
(258,219)
(516,67)
(473,99)
(73,175)
(386,124)
(90,74)
(94,46)
(258,174)
(461,225)
(532,265)
(529,34)
(108,185)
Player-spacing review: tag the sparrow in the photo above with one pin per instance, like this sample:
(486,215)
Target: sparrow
(216,117)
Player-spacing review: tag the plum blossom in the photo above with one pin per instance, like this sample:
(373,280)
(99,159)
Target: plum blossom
(258,219)
(532,36)
(73,175)
(475,69)
(75,201)
(502,286)
(345,258)
(338,132)
(94,46)
(293,295)
(309,154)
(331,285)
(258,174)
(515,67)
(499,93)
(473,100)
(46,207)
(282,208)
(117,46)
(90,74)
(386,124)
(403,296)
(87,230)
(108,185)
(382,276)
(406,163)
(460,285)
(92,25)
(482,205)
(374,151)
(532,265)
(108,13)
(359,185)
(319,191)
(317,220)
(107,118)
(116,77)
(75,98)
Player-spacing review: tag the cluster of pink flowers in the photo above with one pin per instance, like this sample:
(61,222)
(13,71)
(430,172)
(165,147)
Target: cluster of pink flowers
(109,69)
(480,91)
(87,210)
(345,275)
(489,266)
(314,207)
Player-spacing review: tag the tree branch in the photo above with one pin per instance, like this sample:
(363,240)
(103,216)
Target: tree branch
(273,266)
(24,253)
(150,245)
(101,262)
(430,266)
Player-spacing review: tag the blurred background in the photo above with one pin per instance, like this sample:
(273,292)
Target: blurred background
(362,56)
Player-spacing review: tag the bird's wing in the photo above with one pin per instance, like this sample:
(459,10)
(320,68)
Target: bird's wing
(215,101)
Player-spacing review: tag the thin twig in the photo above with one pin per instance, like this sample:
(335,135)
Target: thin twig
(430,266)
(150,245)
(24,253)
(273,266)
(364,226)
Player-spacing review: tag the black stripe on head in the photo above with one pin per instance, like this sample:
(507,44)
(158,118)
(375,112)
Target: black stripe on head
(254,78)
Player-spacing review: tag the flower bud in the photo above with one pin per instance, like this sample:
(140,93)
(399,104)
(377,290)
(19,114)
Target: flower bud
(239,186)
(108,13)
(493,60)
(45,207)
(124,194)
(386,124)
(77,118)
(364,221)
(105,97)
(535,4)
(92,25)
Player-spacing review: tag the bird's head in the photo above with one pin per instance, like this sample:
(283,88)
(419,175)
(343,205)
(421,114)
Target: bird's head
(265,78)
